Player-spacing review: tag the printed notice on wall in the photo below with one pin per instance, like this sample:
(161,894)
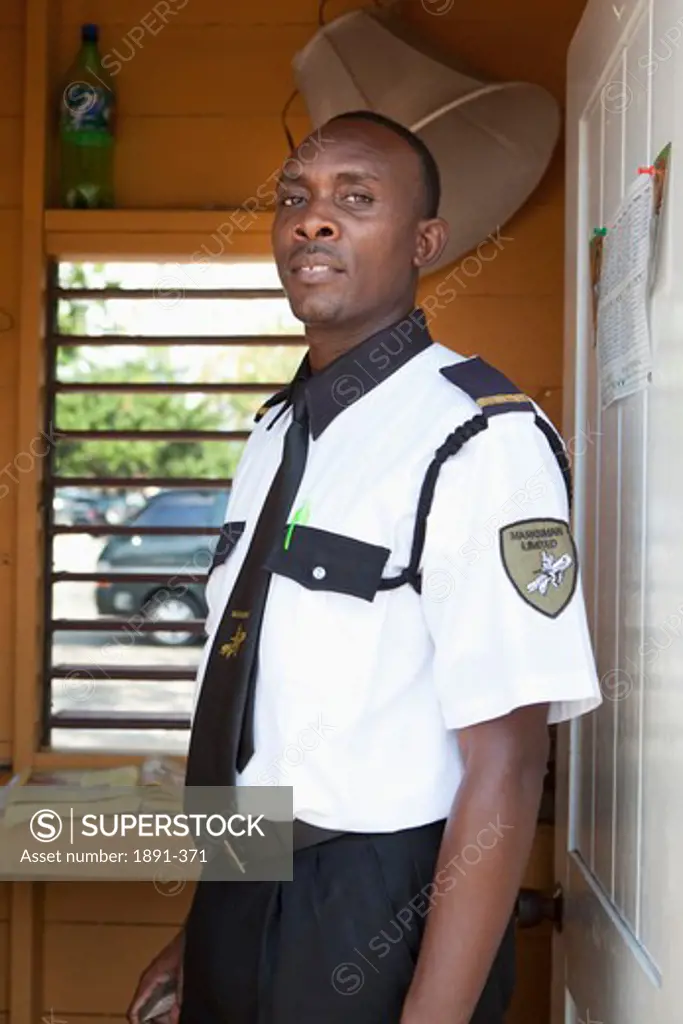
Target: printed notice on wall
(623,333)
(624,261)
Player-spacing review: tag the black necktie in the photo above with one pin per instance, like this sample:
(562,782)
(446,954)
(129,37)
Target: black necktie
(222,733)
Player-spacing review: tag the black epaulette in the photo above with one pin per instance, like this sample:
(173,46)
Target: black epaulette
(489,388)
(279,396)
(494,393)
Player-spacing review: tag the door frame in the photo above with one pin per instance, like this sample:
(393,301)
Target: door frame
(592,45)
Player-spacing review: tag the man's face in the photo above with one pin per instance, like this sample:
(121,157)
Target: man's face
(347,227)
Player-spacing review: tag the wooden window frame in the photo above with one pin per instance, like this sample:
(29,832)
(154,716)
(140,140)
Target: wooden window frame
(98,236)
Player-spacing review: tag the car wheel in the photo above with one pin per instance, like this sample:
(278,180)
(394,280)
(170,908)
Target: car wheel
(165,607)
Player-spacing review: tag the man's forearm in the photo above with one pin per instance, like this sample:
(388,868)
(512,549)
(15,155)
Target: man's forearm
(483,857)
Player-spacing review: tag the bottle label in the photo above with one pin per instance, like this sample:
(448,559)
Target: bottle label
(87,113)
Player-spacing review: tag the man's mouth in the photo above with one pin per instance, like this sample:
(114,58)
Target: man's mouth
(315,268)
(315,272)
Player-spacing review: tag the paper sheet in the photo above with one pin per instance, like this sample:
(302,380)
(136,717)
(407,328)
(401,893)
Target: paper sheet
(623,336)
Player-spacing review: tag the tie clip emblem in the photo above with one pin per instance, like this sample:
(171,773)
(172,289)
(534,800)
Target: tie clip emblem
(234,644)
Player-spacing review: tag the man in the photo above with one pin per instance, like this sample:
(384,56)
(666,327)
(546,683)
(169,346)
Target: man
(430,695)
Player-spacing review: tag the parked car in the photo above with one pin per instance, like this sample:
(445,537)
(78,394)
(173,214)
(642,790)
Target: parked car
(83,506)
(75,506)
(117,508)
(181,557)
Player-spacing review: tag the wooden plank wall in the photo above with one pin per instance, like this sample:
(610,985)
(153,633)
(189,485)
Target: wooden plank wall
(4,952)
(11,109)
(200,102)
(511,313)
(96,938)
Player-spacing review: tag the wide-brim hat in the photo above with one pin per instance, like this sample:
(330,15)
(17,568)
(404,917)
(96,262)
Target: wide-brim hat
(492,141)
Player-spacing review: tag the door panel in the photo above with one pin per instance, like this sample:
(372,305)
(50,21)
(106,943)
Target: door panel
(633,461)
(619,840)
(605,642)
(588,454)
(627,685)
(661,912)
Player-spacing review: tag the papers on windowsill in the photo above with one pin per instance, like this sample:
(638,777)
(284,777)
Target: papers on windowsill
(156,785)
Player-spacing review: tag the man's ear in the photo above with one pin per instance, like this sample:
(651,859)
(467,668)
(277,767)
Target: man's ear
(432,236)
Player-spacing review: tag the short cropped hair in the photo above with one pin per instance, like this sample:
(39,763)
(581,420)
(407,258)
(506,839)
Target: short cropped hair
(431,179)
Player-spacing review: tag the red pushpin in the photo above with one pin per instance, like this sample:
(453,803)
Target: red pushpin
(647,170)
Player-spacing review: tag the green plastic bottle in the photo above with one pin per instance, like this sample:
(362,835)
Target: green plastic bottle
(86,129)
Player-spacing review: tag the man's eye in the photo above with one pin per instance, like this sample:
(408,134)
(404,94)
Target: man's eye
(358,198)
(290,200)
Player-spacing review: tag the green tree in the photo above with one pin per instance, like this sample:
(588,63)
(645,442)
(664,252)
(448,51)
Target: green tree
(275,365)
(139,412)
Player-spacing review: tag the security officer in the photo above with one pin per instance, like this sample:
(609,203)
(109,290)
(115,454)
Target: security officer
(395,617)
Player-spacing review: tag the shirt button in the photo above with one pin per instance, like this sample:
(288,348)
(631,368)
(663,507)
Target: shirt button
(319,573)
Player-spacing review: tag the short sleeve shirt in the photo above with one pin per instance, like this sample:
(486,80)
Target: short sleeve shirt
(361,687)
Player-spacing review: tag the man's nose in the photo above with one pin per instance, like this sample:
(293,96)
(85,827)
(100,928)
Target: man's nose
(315,222)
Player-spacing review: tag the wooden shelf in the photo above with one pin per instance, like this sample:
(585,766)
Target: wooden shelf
(156,221)
(164,234)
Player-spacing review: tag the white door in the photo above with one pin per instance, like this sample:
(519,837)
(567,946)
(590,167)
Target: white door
(619,847)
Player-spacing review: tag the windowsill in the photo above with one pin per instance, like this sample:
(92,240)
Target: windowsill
(74,234)
(77,759)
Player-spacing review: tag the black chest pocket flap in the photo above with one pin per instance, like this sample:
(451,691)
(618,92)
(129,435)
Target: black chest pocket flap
(228,537)
(320,560)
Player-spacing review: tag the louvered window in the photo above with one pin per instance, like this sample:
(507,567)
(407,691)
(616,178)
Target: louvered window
(152,384)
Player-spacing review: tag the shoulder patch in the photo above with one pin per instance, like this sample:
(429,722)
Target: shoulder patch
(540,559)
(489,388)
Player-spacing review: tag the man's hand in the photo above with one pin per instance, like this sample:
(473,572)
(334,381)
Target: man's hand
(166,970)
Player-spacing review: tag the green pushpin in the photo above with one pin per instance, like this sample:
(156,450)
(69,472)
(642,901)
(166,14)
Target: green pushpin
(600,231)
(300,516)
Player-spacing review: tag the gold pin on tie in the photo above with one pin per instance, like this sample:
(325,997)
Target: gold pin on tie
(236,640)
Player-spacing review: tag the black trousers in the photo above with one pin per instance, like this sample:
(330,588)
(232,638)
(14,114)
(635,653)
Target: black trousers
(337,944)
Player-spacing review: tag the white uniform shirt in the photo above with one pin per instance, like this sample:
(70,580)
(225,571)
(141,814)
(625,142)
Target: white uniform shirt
(359,690)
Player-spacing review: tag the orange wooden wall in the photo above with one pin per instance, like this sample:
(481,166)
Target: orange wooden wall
(11,88)
(200,105)
(11,74)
